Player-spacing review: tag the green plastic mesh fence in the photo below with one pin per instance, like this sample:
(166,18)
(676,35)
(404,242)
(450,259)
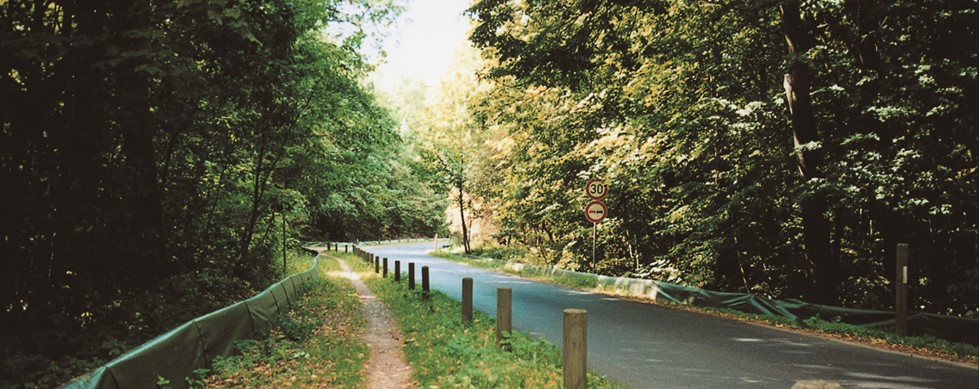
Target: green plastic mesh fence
(176,354)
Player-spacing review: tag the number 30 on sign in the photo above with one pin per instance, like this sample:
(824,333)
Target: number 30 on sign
(596,189)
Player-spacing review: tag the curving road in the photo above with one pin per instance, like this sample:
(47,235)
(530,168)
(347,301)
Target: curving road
(650,346)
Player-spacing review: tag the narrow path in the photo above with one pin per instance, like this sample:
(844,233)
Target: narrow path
(387,367)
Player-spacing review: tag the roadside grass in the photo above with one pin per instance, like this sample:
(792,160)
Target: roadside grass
(317,343)
(443,352)
(926,345)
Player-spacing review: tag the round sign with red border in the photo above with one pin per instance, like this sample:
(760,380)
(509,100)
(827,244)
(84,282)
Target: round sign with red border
(595,211)
(596,189)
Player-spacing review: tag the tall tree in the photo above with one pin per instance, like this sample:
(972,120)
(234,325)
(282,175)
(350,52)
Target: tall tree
(809,157)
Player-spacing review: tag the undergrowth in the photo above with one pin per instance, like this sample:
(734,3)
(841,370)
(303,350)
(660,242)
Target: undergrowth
(51,357)
(316,343)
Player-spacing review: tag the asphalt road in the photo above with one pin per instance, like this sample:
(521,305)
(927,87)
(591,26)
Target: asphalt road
(650,346)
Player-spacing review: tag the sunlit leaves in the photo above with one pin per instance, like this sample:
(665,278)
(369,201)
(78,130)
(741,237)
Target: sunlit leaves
(679,105)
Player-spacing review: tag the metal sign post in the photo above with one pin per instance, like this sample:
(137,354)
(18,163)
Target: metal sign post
(595,210)
(594,239)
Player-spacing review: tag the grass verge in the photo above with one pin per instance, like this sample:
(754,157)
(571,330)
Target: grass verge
(925,345)
(317,343)
(445,353)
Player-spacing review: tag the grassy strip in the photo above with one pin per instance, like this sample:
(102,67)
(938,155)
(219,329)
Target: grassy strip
(926,345)
(316,344)
(445,353)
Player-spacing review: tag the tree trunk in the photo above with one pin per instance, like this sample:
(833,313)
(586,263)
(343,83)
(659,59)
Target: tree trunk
(815,225)
(462,219)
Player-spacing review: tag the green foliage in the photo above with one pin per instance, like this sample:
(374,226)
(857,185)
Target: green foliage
(443,352)
(164,149)
(499,252)
(681,107)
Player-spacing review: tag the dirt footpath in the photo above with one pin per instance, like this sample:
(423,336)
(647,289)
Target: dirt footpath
(387,367)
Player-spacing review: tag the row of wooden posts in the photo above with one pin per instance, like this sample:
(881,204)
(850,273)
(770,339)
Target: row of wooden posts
(575,320)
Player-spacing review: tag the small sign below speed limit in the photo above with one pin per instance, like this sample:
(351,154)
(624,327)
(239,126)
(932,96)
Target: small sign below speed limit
(595,211)
(596,189)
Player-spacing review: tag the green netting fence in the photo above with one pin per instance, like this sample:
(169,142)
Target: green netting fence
(176,354)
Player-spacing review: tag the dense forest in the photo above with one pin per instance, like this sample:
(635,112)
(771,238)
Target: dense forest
(155,155)
(777,147)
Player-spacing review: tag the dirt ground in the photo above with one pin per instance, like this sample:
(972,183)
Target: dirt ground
(387,367)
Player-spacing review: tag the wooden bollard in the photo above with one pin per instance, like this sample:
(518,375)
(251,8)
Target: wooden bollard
(504,313)
(575,348)
(901,291)
(345,248)
(425,282)
(377,263)
(467,300)
(385,274)
(397,271)
(411,276)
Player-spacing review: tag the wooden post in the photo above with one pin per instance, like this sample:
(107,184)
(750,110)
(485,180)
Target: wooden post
(397,271)
(345,248)
(504,314)
(901,290)
(377,263)
(284,270)
(425,282)
(385,268)
(411,276)
(467,300)
(575,348)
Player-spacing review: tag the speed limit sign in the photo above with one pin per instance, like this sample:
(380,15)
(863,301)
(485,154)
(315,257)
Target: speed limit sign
(596,189)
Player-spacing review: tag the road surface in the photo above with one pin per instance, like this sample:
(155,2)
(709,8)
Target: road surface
(650,346)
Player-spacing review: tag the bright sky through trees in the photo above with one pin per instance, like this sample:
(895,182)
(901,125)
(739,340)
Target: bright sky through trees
(421,44)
